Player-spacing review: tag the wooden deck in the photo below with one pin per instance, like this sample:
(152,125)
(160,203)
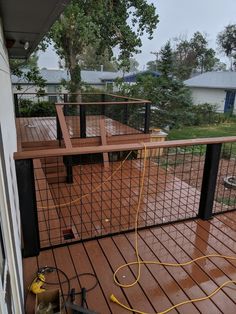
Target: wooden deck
(43,129)
(159,287)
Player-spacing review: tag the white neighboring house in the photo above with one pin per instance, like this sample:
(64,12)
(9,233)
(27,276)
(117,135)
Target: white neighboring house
(54,77)
(101,80)
(215,88)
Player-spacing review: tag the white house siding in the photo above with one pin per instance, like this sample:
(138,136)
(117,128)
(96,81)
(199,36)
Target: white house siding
(9,209)
(211,96)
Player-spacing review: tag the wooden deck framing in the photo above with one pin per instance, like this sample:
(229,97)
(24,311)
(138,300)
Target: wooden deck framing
(159,287)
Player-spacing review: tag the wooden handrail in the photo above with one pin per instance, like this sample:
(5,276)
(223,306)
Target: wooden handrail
(108,94)
(64,129)
(127,97)
(120,147)
(142,102)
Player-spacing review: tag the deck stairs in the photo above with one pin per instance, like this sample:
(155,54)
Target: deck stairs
(54,169)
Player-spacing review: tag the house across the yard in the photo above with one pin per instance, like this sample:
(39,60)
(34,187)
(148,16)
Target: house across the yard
(54,78)
(102,80)
(215,88)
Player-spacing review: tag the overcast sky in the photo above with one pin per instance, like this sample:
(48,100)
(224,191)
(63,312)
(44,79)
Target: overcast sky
(176,17)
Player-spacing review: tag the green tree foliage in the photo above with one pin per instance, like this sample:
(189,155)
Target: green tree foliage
(128,65)
(226,41)
(166,64)
(105,23)
(151,65)
(171,100)
(90,60)
(190,56)
(28,71)
(193,55)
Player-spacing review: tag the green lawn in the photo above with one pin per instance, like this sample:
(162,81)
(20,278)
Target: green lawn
(223,129)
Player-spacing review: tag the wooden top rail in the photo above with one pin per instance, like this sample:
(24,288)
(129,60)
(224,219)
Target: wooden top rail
(108,94)
(121,147)
(127,97)
(141,102)
(64,129)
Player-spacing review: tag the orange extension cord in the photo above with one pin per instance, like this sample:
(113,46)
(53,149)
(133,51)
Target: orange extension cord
(139,262)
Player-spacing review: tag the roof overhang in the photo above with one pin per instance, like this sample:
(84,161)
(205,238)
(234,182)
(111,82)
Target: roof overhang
(25,22)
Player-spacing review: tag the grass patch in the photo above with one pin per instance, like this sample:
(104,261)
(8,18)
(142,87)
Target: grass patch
(189,132)
(226,200)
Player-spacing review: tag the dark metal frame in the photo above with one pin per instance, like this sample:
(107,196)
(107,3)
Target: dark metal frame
(203,200)
(28,207)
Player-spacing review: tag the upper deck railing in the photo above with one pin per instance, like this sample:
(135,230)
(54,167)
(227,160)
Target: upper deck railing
(123,115)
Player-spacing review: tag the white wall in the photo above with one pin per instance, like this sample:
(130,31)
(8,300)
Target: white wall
(9,208)
(209,95)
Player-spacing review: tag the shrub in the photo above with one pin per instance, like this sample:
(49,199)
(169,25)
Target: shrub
(205,114)
(43,109)
(28,108)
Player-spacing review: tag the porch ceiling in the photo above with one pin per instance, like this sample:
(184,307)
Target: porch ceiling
(27,21)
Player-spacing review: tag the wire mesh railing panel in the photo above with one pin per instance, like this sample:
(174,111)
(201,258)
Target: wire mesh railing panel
(103,198)
(118,119)
(125,119)
(37,105)
(72,118)
(36,117)
(225,194)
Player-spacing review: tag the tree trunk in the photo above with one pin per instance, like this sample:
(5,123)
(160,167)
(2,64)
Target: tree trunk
(75,77)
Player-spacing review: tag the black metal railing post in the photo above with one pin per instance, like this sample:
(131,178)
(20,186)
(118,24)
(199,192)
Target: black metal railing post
(28,207)
(16,104)
(147,118)
(103,108)
(82,121)
(65,108)
(125,114)
(210,172)
(59,132)
(69,168)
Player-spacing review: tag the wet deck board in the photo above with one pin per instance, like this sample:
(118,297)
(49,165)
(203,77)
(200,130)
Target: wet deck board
(159,287)
(39,129)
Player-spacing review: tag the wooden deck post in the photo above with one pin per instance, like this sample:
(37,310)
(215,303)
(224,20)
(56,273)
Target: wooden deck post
(209,181)
(28,207)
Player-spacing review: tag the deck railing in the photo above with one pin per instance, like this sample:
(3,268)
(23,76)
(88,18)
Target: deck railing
(69,195)
(123,115)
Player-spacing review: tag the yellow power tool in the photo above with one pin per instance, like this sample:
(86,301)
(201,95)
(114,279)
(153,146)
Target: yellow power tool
(38,282)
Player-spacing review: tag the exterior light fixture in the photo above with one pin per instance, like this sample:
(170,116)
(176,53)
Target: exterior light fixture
(25,44)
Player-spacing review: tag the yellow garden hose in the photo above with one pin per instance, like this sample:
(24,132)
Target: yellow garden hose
(139,262)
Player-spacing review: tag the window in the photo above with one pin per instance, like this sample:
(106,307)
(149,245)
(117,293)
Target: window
(53,89)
